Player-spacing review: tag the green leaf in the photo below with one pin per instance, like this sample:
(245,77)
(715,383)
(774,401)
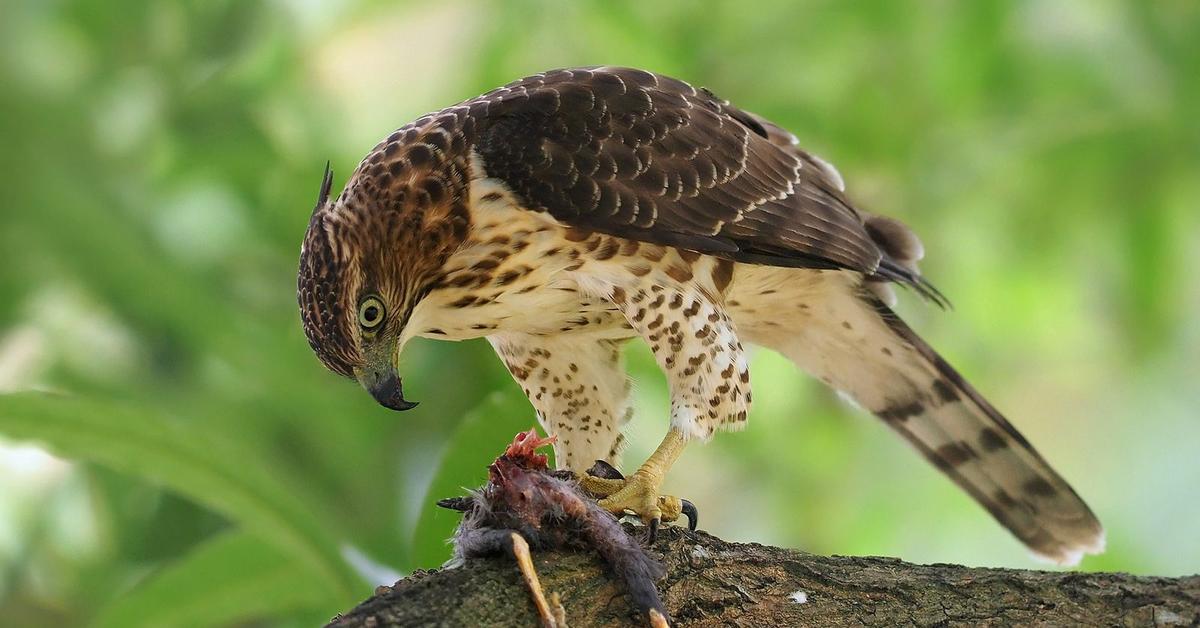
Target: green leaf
(212,471)
(480,437)
(235,577)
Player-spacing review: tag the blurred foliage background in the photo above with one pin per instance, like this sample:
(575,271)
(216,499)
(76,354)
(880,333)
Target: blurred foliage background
(161,160)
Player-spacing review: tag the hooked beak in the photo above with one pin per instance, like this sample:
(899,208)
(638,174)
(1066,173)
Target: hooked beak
(386,388)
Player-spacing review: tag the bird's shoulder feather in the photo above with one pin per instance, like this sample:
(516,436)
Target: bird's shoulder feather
(647,157)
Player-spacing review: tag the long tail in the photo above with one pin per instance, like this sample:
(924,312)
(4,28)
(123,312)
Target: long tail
(863,349)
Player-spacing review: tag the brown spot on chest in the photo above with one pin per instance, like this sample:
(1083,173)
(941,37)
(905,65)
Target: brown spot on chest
(607,250)
(575,234)
(507,277)
(468,301)
(487,264)
(722,274)
(679,273)
(653,253)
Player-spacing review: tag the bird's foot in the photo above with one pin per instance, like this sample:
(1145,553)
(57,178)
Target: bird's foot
(638,495)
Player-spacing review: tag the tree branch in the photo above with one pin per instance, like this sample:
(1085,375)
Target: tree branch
(711,582)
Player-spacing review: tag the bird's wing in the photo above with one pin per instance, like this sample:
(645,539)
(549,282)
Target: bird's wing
(642,156)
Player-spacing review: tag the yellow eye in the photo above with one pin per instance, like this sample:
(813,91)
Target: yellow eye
(370,312)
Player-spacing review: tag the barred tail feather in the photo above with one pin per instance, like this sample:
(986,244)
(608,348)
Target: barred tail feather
(872,355)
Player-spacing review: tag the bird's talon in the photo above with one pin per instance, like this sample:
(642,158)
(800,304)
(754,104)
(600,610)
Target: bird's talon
(638,495)
(604,470)
(688,509)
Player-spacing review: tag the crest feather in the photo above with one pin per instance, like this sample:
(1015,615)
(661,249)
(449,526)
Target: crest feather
(326,184)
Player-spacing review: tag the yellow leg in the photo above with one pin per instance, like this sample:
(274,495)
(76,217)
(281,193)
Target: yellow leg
(638,493)
(553,616)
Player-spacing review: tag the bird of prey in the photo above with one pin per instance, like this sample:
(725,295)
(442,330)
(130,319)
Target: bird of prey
(570,211)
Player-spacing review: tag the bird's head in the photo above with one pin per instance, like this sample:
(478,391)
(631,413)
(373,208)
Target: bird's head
(370,255)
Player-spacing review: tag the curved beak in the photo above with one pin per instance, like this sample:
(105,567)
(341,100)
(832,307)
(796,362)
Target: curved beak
(386,388)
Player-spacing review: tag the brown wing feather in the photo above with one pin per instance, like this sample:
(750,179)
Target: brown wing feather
(638,155)
(899,247)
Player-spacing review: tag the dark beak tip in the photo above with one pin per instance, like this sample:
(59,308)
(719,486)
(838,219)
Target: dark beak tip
(389,392)
(398,403)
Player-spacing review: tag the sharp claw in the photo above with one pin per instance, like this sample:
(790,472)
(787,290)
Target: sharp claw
(461,504)
(654,523)
(602,469)
(689,510)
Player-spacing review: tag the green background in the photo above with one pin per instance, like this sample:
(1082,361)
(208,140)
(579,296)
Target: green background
(161,159)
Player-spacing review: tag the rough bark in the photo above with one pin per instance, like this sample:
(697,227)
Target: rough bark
(715,583)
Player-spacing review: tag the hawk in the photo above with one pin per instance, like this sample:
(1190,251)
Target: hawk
(568,212)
